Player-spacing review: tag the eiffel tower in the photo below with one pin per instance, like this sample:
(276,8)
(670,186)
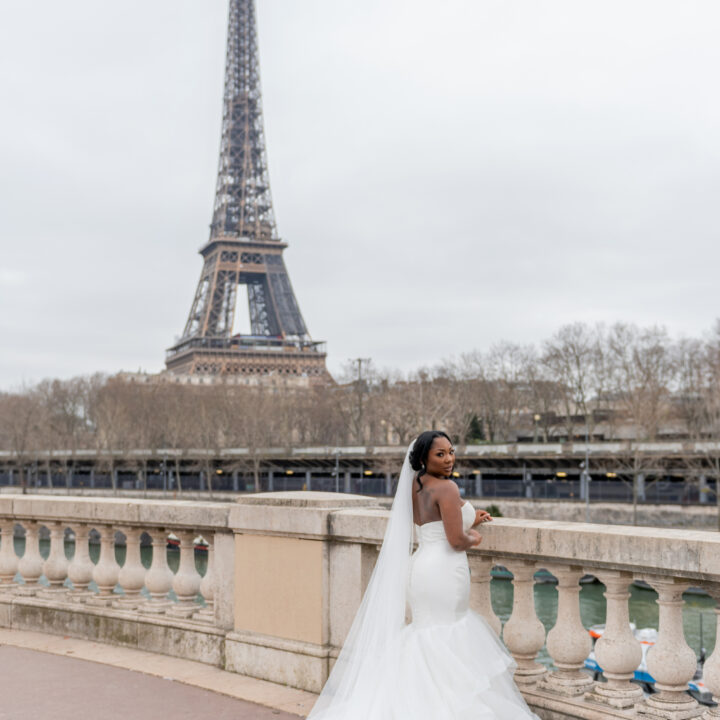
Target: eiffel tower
(244,248)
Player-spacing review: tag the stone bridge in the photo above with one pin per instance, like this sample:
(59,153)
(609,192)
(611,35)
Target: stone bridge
(285,573)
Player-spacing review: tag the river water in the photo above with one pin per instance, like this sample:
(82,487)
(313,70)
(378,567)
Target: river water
(698,614)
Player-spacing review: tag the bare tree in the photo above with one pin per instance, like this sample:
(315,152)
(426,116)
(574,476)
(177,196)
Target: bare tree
(645,370)
(19,425)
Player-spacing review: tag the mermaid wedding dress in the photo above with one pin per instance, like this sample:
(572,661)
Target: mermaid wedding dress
(447,664)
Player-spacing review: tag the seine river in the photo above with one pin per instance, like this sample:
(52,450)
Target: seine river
(698,614)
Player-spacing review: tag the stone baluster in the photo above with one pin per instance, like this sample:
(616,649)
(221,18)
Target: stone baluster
(80,570)
(8,558)
(107,570)
(480,578)
(30,565)
(159,578)
(670,661)
(132,574)
(711,669)
(207,586)
(524,634)
(568,642)
(617,652)
(187,580)
(56,566)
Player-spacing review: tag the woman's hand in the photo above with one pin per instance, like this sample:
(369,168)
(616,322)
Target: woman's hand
(475,535)
(482,516)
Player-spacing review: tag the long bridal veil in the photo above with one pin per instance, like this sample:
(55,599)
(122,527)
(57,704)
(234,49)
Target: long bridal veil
(381,617)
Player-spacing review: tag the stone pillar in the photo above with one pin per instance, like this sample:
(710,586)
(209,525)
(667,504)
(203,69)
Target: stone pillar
(568,642)
(478,485)
(388,483)
(30,565)
(8,558)
(308,480)
(703,489)
(271,481)
(347,485)
(80,569)
(524,634)
(159,578)
(107,570)
(235,483)
(640,480)
(92,477)
(711,669)
(671,661)
(480,578)
(186,583)
(56,566)
(132,574)
(207,586)
(223,579)
(617,652)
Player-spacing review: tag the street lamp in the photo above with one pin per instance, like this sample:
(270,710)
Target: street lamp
(536,418)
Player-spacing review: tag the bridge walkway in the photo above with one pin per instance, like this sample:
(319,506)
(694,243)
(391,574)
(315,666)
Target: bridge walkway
(45,676)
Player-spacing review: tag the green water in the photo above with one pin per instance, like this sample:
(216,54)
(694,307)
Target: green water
(698,615)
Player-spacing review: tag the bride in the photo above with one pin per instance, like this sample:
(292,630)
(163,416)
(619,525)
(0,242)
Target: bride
(447,664)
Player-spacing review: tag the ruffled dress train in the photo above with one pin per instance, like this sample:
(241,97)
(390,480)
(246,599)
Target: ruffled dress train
(447,664)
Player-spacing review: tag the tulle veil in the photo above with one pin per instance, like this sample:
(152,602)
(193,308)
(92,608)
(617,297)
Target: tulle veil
(381,616)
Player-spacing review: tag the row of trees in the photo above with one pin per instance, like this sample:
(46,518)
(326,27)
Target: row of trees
(608,382)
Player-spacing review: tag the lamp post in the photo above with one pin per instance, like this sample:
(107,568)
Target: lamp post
(536,418)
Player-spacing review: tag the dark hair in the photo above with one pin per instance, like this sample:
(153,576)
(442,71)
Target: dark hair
(421,449)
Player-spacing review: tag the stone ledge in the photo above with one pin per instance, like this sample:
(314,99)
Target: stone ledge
(175,637)
(289,662)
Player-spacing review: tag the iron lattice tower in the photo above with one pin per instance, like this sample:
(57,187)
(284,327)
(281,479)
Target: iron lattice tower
(244,248)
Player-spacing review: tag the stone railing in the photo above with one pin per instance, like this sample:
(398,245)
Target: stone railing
(287,572)
(151,608)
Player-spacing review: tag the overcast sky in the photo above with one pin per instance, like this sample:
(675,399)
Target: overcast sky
(447,174)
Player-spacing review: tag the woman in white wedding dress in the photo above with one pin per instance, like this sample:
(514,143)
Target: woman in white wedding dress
(447,663)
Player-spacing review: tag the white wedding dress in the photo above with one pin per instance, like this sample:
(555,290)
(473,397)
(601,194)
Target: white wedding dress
(447,664)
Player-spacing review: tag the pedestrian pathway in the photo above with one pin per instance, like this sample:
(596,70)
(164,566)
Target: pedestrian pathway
(45,676)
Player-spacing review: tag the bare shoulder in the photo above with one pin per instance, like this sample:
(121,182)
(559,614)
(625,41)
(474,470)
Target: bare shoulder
(447,491)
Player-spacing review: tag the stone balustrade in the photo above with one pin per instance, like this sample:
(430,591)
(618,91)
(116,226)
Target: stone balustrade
(286,573)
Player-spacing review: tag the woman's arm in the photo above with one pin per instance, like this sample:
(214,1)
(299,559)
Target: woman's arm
(448,500)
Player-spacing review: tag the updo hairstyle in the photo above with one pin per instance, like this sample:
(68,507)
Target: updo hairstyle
(421,449)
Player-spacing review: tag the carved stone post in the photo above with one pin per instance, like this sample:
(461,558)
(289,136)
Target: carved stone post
(107,570)
(480,578)
(187,579)
(524,634)
(8,558)
(617,652)
(671,661)
(711,669)
(132,574)
(30,565)
(159,578)
(207,585)
(80,570)
(568,643)
(56,566)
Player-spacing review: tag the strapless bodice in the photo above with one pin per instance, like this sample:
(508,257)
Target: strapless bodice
(435,531)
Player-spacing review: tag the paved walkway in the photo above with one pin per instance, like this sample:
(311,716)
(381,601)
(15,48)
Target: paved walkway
(44,676)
